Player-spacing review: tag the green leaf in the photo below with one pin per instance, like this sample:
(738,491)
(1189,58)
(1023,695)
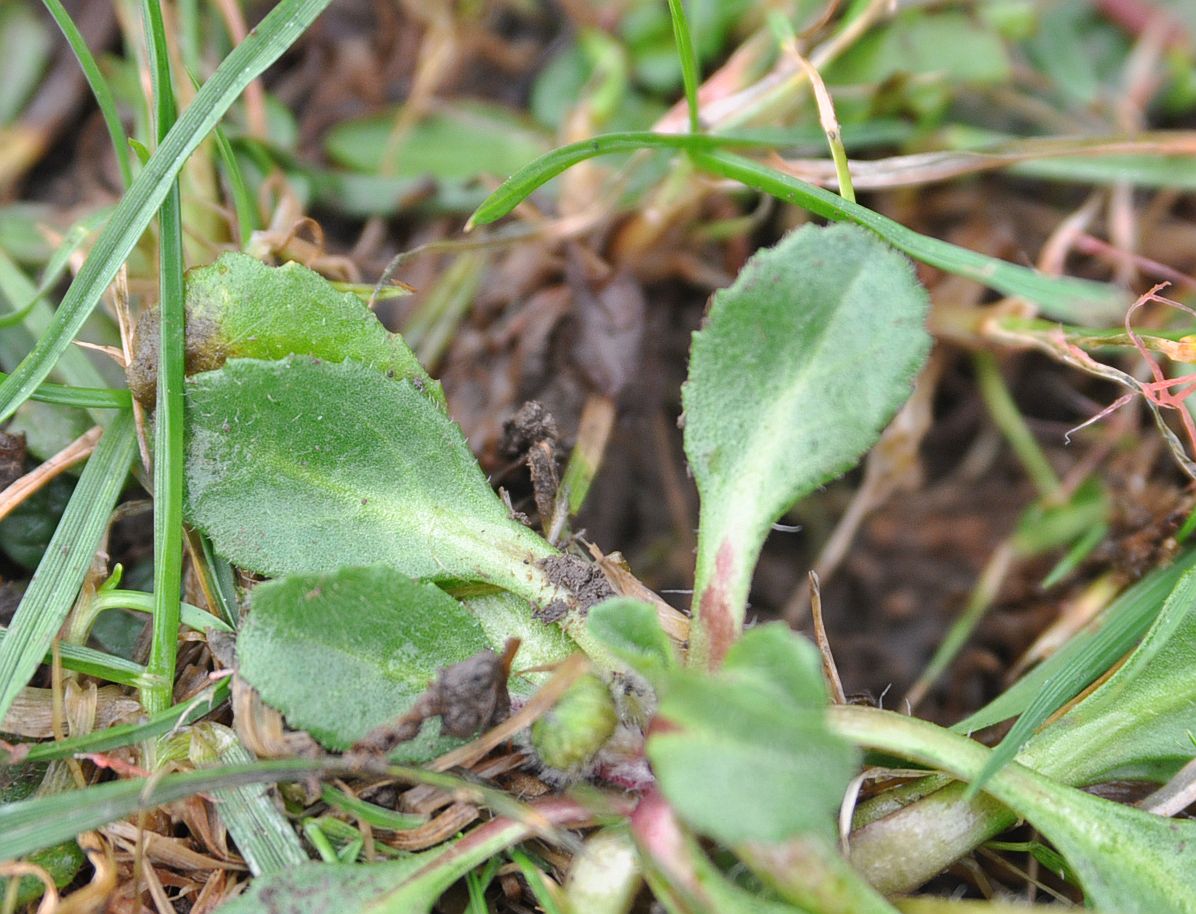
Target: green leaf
(631,631)
(1138,723)
(302,466)
(1044,690)
(341,654)
(238,307)
(752,739)
(456,142)
(25,52)
(1127,860)
(799,367)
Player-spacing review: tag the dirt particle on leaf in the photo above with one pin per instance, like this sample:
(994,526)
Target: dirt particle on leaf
(553,612)
(473,694)
(584,580)
(204,348)
(467,697)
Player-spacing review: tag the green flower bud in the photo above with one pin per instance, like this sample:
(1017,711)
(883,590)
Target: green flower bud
(570,735)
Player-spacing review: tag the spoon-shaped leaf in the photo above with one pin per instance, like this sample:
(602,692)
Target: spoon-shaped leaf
(801,364)
(301,466)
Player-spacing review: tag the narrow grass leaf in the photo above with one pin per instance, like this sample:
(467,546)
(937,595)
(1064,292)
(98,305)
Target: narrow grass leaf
(1138,723)
(168,415)
(264,45)
(40,822)
(1078,300)
(98,85)
(56,582)
(411,885)
(546,898)
(377,816)
(1065,674)
(91,662)
(83,397)
(33,824)
(683,35)
(244,204)
(522,183)
(264,836)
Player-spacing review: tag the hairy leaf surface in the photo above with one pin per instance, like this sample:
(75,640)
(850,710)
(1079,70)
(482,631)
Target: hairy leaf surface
(238,307)
(753,739)
(801,364)
(343,653)
(300,466)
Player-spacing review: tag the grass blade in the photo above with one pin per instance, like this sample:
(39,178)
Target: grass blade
(1043,690)
(683,35)
(520,185)
(1182,596)
(264,836)
(56,582)
(168,416)
(99,87)
(91,662)
(29,825)
(83,397)
(265,44)
(1078,300)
